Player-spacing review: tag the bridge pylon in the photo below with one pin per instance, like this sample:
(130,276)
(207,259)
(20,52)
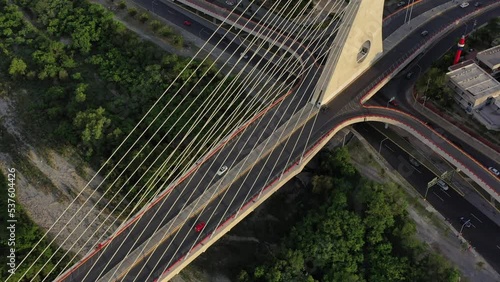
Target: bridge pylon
(357,45)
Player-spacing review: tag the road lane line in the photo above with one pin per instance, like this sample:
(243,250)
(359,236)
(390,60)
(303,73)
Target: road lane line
(438,196)
(446,193)
(417,170)
(476,217)
(389,148)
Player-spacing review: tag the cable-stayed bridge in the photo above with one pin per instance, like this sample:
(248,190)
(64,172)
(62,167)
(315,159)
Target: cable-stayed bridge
(301,93)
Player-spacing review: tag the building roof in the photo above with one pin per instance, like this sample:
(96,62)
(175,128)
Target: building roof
(475,80)
(490,57)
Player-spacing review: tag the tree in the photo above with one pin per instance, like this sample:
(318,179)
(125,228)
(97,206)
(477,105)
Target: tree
(132,12)
(144,17)
(80,95)
(17,67)
(122,4)
(92,124)
(165,31)
(155,24)
(322,184)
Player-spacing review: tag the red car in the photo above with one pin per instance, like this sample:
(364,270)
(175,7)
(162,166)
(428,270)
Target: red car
(198,227)
(188,23)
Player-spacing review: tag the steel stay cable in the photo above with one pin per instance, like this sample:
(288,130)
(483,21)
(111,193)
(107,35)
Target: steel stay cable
(102,167)
(80,193)
(256,178)
(223,217)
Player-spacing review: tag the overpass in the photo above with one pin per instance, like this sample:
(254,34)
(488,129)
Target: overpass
(224,203)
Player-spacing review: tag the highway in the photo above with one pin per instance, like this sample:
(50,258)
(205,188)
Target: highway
(253,180)
(483,233)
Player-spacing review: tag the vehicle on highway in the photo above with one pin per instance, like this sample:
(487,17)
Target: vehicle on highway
(464,5)
(494,170)
(409,75)
(198,227)
(477,4)
(414,162)
(424,33)
(394,103)
(244,56)
(230,3)
(465,221)
(402,3)
(188,23)
(222,170)
(442,185)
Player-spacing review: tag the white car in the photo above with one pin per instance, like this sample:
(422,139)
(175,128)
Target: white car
(244,56)
(464,5)
(442,185)
(494,170)
(222,170)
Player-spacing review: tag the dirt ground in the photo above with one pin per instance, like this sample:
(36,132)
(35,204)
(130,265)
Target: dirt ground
(46,183)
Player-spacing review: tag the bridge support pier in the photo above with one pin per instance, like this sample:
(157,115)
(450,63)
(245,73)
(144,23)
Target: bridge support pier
(357,45)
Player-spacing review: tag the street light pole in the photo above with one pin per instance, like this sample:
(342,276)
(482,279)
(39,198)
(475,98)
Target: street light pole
(426,191)
(460,233)
(380,147)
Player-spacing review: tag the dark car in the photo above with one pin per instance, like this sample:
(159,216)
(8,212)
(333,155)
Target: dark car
(394,103)
(477,4)
(188,23)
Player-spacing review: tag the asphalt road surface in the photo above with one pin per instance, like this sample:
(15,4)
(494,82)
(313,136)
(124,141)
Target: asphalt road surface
(398,86)
(251,181)
(483,234)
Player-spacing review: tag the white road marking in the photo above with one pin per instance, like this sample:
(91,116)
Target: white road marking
(498,247)
(438,196)
(476,217)
(170,11)
(417,169)
(389,148)
(446,193)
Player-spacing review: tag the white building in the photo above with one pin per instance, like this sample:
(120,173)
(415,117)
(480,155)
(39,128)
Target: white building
(490,59)
(478,93)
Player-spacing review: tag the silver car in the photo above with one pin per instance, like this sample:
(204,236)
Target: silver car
(222,170)
(442,185)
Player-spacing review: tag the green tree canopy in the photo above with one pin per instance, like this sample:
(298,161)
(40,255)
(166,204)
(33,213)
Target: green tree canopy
(17,67)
